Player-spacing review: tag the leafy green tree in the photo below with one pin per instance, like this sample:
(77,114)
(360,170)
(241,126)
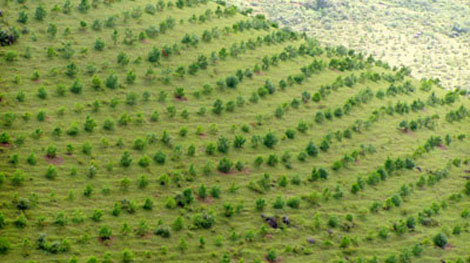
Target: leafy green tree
(440,240)
(225,165)
(270,140)
(40,13)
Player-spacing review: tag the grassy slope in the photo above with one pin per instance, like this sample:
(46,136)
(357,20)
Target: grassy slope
(53,196)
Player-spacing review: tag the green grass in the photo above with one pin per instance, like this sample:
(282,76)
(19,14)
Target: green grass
(244,236)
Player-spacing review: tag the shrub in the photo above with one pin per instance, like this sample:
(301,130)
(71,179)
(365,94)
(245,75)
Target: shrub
(215,191)
(127,256)
(440,240)
(144,161)
(270,140)
(260,204)
(154,55)
(231,82)
(159,157)
(42,93)
(76,87)
(293,202)
(99,44)
(4,245)
(228,209)
(40,13)
(51,151)
(311,149)
(18,178)
(126,159)
(88,190)
(97,215)
(223,145)
(225,165)
(203,220)
(51,172)
(162,231)
(148,204)
(22,17)
(21,221)
(112,81)
(279,203)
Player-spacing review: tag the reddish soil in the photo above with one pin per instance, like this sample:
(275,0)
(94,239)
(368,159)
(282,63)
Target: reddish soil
(268,236)
(58,160)
(181,99)
(442,147)
(207,200)
(6,145)
(233,171)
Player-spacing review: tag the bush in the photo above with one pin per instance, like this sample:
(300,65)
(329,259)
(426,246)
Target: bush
(126,159)
(159,157)
(99,44)
(51,151)
(97,215)
(225,165)
(270,140)
(279,203)
(21,221)
(148,204)
(231,82)
(203,220)
(17,178)
(228,209)
(51,172)
(40,13)
(105,233)
(293,202)
(311,149)
(4,245)
(223,145)
(154,55)
(162,231)
(127,256)
(112,81)
(440,240)
(76,87)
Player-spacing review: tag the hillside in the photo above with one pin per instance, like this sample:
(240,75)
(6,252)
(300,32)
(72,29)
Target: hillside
(185,131)
(431,37)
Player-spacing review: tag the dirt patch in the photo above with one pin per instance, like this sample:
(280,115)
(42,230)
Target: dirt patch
(233,171)
(58,160)
(6,145)
(207,200)
(442,147)
(181,98)
(106,242)
(449,246)
(268,236)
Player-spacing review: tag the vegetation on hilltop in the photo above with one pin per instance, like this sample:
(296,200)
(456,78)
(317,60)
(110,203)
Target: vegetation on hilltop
(431,37)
